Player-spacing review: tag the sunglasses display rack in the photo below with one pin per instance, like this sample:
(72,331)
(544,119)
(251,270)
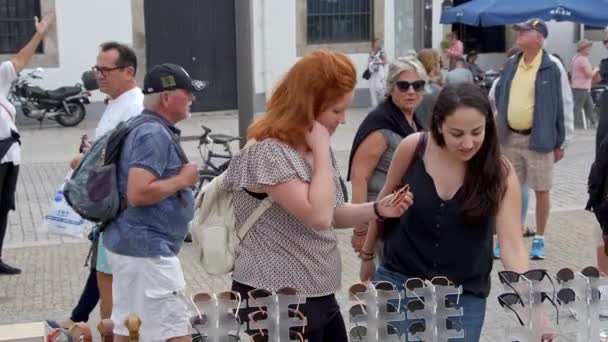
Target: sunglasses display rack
(375,312)
(576,300)
(435,313)
(528,308)
(579,294)
(216,317)
(278,321)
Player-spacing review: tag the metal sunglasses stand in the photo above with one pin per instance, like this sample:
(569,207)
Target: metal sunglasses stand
(218,321)
(376,315)
(278,322)
(435,314)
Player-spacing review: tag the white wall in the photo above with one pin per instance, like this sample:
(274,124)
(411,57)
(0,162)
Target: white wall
(81,27)
(275,42)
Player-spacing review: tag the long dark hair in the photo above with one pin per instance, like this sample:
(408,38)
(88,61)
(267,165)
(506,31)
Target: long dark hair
(485,180)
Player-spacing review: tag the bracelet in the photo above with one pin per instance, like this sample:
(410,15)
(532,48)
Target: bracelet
(360,233)
(364,257)
(378,216)
(365,253)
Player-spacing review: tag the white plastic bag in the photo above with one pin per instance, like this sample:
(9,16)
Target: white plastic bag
(63,220)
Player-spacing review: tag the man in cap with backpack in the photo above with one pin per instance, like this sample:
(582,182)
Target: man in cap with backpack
(156,180)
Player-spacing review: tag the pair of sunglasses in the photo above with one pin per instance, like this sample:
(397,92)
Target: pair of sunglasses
(359,310)
(566,274)
(199,298)
(509,277)
(359,333)
(261,337)
(404,86)
(383,286)
(509,300)
(261,315)
(398,195)
(257,294)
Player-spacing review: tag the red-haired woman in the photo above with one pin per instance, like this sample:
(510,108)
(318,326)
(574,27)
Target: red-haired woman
(289,158)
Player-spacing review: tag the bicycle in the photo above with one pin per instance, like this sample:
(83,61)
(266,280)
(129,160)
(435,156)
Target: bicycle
(206,145)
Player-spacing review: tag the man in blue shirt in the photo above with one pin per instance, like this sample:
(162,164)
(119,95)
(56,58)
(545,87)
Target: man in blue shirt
(145,238)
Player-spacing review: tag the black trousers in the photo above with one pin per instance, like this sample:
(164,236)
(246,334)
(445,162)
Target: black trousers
(9,173)
(88,299)
(324,320)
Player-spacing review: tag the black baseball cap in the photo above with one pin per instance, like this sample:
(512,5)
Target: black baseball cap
(533,24)
(168,76)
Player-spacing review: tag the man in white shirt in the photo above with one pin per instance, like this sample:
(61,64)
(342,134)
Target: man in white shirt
(10,150)
(115,71)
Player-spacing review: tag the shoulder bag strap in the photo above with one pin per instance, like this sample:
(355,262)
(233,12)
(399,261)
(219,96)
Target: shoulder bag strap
(253,217)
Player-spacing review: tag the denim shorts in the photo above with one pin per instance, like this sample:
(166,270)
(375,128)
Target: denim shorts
(474,308)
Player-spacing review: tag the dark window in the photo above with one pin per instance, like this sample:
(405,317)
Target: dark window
(339,21)
(478,38)
(17,24)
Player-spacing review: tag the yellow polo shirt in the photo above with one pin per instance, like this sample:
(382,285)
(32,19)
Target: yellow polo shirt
(521,96)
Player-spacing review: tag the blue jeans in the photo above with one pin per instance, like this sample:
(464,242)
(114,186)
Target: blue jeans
(474,308)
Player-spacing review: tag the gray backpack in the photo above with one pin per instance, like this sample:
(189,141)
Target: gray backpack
(92,191)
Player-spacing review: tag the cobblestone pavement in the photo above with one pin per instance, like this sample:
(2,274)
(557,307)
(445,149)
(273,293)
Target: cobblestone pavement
(53,267)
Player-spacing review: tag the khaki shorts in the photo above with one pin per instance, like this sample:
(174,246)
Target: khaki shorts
(534,168)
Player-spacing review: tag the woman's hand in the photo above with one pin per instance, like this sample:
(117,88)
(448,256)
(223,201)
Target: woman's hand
(395,205)
(367,271)
(318,137)
(43,26)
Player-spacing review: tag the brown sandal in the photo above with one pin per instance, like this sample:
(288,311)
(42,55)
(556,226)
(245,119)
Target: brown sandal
(133,323)
(106,330)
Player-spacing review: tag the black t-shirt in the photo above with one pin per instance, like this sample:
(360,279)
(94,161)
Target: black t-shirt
(432,239)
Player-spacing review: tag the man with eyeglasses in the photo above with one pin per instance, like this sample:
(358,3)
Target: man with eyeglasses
(115,72)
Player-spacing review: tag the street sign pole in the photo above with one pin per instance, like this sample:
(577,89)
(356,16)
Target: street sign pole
(244,65)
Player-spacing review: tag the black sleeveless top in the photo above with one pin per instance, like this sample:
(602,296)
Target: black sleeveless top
(431,238)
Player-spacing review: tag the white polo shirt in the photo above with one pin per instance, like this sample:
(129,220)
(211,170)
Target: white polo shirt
(122,108)
(7,112)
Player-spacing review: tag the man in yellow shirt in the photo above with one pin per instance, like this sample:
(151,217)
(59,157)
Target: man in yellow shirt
(534,118)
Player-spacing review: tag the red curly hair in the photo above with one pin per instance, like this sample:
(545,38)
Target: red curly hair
(315,82)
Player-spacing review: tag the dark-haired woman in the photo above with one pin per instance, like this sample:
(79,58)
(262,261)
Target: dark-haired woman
(463,187)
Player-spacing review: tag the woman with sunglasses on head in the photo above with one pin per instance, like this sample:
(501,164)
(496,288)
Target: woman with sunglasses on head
(289,159)
(10,151)
(381,132)
(463,187)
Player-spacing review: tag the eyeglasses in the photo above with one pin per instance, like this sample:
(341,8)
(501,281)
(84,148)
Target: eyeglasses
(405,85)
(508,300)
(104,71)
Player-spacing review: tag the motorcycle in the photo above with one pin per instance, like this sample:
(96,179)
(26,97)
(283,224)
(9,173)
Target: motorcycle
(64,105)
